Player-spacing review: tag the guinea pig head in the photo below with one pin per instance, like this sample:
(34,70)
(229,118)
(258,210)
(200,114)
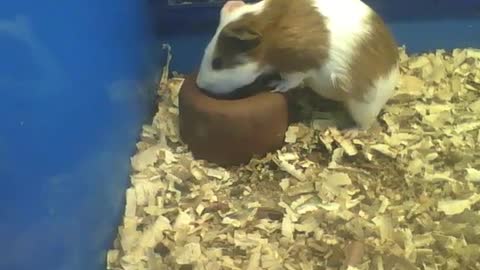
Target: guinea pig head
(227,63)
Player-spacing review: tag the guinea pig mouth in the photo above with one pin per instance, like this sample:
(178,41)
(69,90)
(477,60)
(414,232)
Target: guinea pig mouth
(259,85)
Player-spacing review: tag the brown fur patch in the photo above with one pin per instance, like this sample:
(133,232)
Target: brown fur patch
(374,57)
(293,37)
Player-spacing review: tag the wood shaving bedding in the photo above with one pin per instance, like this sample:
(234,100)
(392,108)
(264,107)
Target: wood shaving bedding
(403,196)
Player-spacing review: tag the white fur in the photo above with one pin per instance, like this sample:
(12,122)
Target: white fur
(346,22)
(364,113)
(227,80)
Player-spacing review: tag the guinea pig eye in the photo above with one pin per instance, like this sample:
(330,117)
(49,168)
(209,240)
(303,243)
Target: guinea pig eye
(217,63)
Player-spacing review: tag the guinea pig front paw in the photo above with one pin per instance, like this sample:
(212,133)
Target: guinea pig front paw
(288,81)
(281,86)
(278,86)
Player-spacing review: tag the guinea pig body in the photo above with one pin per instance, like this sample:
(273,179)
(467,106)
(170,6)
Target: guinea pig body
(340,49)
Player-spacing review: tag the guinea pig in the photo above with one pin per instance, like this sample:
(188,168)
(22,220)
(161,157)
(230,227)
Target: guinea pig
(341,49)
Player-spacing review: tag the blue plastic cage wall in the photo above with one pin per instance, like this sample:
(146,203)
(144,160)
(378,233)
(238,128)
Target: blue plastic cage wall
(76,84)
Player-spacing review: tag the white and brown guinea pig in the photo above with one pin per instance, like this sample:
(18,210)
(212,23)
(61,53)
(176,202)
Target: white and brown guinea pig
(339,48)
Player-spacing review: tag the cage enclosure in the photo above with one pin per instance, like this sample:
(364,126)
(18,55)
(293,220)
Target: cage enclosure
(78,81)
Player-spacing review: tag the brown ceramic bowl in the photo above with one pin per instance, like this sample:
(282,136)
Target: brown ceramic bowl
(231,130)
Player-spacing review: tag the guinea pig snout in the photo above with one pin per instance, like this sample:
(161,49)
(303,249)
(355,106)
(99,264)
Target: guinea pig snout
(200,82)
(206,83)
(212,84)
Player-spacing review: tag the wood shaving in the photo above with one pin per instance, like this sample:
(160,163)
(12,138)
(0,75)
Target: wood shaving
(405,196)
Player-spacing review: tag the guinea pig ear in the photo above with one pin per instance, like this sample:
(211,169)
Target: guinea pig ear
(242,36)
(231,6)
